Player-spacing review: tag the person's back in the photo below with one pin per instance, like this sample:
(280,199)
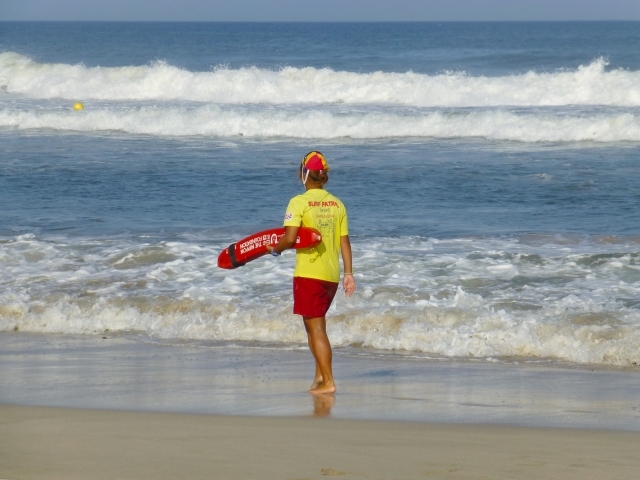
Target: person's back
(319,209)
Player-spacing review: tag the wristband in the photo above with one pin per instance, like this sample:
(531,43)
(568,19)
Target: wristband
(348,273)
(274,253)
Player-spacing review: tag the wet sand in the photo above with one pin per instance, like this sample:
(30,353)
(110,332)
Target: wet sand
(125,407)
(125,373)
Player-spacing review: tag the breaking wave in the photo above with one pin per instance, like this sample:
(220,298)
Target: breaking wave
(327,123)
(526,297)
(587,85)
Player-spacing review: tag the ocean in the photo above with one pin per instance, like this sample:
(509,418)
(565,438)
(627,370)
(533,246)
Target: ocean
(490,172)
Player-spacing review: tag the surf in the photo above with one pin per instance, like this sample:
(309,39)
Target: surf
(325,122)
(482,298)
(590,84)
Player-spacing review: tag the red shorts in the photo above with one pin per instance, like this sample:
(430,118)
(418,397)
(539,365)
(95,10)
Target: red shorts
(312,297)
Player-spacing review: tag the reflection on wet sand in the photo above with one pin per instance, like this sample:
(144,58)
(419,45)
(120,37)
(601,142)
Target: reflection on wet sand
(322,405)
(141,373)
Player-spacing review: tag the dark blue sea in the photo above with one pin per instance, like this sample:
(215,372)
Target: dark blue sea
(490,171)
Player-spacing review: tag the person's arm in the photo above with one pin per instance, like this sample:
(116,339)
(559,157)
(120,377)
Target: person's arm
(348,283)
(286,241)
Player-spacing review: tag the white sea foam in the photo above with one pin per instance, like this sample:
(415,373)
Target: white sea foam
(331,123)
(588,85)
(526,297)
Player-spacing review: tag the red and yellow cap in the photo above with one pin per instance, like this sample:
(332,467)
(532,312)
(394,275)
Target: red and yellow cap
(315,161)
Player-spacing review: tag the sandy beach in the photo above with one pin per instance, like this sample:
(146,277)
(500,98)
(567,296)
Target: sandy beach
(46,443)
(127,408)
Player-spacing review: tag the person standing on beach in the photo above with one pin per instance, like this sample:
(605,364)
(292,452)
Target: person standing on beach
(317,273)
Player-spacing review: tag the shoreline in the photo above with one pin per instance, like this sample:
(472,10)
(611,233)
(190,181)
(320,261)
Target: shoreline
(116,372)
(51,443)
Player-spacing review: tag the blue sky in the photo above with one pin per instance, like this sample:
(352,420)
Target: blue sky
(320,10)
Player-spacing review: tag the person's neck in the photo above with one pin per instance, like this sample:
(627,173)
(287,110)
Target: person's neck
(313,187)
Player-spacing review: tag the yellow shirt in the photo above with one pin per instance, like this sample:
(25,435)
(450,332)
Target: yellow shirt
(317,208)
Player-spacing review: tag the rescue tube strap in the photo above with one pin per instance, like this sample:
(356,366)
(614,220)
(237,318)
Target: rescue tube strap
(232,256)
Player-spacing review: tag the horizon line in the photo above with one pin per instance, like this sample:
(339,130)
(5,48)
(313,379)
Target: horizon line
(323,21)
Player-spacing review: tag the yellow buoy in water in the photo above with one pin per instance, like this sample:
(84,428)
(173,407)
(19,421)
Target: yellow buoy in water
(78,106)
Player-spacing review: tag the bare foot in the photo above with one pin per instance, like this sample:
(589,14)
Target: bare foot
(316,383)
(323,389)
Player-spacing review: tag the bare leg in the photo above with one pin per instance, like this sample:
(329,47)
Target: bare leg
(317,380)
(321,349)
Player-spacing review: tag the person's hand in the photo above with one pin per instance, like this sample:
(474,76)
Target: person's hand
(270,250)
(349,285)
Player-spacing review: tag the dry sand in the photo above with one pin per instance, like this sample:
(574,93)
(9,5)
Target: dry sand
(48,443)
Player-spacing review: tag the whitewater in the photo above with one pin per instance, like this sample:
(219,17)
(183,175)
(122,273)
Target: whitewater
(530,297)
(327,123)
(590,84)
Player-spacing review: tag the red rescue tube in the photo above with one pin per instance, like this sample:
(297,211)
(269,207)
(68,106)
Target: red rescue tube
(255,246)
